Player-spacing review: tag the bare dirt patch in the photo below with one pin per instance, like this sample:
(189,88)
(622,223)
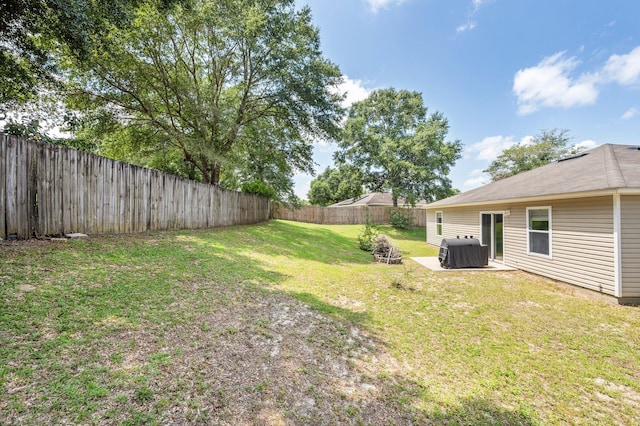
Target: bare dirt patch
(272,361)
(260,358)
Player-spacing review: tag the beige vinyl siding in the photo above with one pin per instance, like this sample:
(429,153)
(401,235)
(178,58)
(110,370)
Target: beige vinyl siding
(455,222)
(630,245)
(582,247)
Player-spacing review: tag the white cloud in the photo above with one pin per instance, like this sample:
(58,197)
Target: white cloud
(354,90)
(476,172)
(623,69)
(479,3)
(477,178)
(470,25)
(549,84)
(527,140)
(475,182)
(376,5)
(631,113)
(490,147)
(587,144)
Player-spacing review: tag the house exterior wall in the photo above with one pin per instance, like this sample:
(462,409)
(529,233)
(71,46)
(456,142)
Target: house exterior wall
(582,242)
(455,222)
(630,245)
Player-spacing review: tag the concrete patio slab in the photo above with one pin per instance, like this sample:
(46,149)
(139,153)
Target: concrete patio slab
(434,264)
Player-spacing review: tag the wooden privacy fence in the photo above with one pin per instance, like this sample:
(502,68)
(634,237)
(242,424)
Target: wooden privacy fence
(345,215)
(53,190)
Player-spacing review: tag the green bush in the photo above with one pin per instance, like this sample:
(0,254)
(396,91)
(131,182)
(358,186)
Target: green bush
(367,235)
(401,220)
(259,188)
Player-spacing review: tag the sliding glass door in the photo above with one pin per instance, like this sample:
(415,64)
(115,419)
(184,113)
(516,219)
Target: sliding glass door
(493,234)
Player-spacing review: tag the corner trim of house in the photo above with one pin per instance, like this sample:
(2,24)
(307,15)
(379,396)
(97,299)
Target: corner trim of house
(617,253)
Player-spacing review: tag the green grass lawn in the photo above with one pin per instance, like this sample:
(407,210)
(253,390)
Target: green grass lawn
(212,326)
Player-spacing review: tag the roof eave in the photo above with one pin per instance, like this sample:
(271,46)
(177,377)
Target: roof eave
(584,194)
(629,191)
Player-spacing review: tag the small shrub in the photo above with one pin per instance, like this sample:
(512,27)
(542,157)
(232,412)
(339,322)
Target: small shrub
(401,220)
(367,235)
(259,188)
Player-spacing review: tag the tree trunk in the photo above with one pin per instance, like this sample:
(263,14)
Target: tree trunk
(215,174)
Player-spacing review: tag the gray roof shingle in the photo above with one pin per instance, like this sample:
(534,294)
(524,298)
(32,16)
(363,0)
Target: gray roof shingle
(606,167)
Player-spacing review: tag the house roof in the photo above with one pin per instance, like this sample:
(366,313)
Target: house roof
(373,199)
(604,168)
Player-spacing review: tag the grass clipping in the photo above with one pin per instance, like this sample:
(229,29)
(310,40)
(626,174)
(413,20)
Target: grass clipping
(385,252)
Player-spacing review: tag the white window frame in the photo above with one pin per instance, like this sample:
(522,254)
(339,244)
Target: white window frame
(441,223)
(549,232)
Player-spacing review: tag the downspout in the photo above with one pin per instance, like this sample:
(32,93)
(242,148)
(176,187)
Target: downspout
(617,244)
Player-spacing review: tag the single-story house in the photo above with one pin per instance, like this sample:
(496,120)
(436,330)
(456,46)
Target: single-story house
(576,220)
(375,199)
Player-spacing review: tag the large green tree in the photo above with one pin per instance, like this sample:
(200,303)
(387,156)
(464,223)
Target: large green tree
(32,32)
(397,147)
(213,83)
(272,159)
(548,146)
(335,185)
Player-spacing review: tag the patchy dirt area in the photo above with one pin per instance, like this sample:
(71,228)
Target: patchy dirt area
(274,361)
(33,242)
(258,358)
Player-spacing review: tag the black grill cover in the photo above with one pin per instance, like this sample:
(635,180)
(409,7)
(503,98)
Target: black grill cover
(463,253)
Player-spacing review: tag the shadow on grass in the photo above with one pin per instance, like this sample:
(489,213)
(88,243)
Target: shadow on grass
(412,234)
(133,297)
(356,318)
(398,394)
(480,411)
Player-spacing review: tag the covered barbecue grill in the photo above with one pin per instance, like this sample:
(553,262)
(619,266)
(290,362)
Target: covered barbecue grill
(463,253)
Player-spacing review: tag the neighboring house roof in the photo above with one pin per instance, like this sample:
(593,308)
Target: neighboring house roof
(604,168)
(374,199)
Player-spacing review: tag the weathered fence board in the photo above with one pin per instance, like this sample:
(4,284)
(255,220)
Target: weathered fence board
(53,190)
(32,184)
(11,173)
(345,215)
(3,174)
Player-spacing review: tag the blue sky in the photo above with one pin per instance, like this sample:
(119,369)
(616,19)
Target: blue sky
(501,71)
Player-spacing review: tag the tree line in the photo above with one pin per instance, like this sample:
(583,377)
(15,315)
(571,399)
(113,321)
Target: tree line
(228,92)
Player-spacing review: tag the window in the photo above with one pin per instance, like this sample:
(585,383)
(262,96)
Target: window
(539,231)
(439,224)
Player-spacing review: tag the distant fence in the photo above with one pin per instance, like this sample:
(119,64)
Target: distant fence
(53,190)
(344,215)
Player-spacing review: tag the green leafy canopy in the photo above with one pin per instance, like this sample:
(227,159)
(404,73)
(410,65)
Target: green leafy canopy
(548,146)
(335,185)
(220,85)
(395,146)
